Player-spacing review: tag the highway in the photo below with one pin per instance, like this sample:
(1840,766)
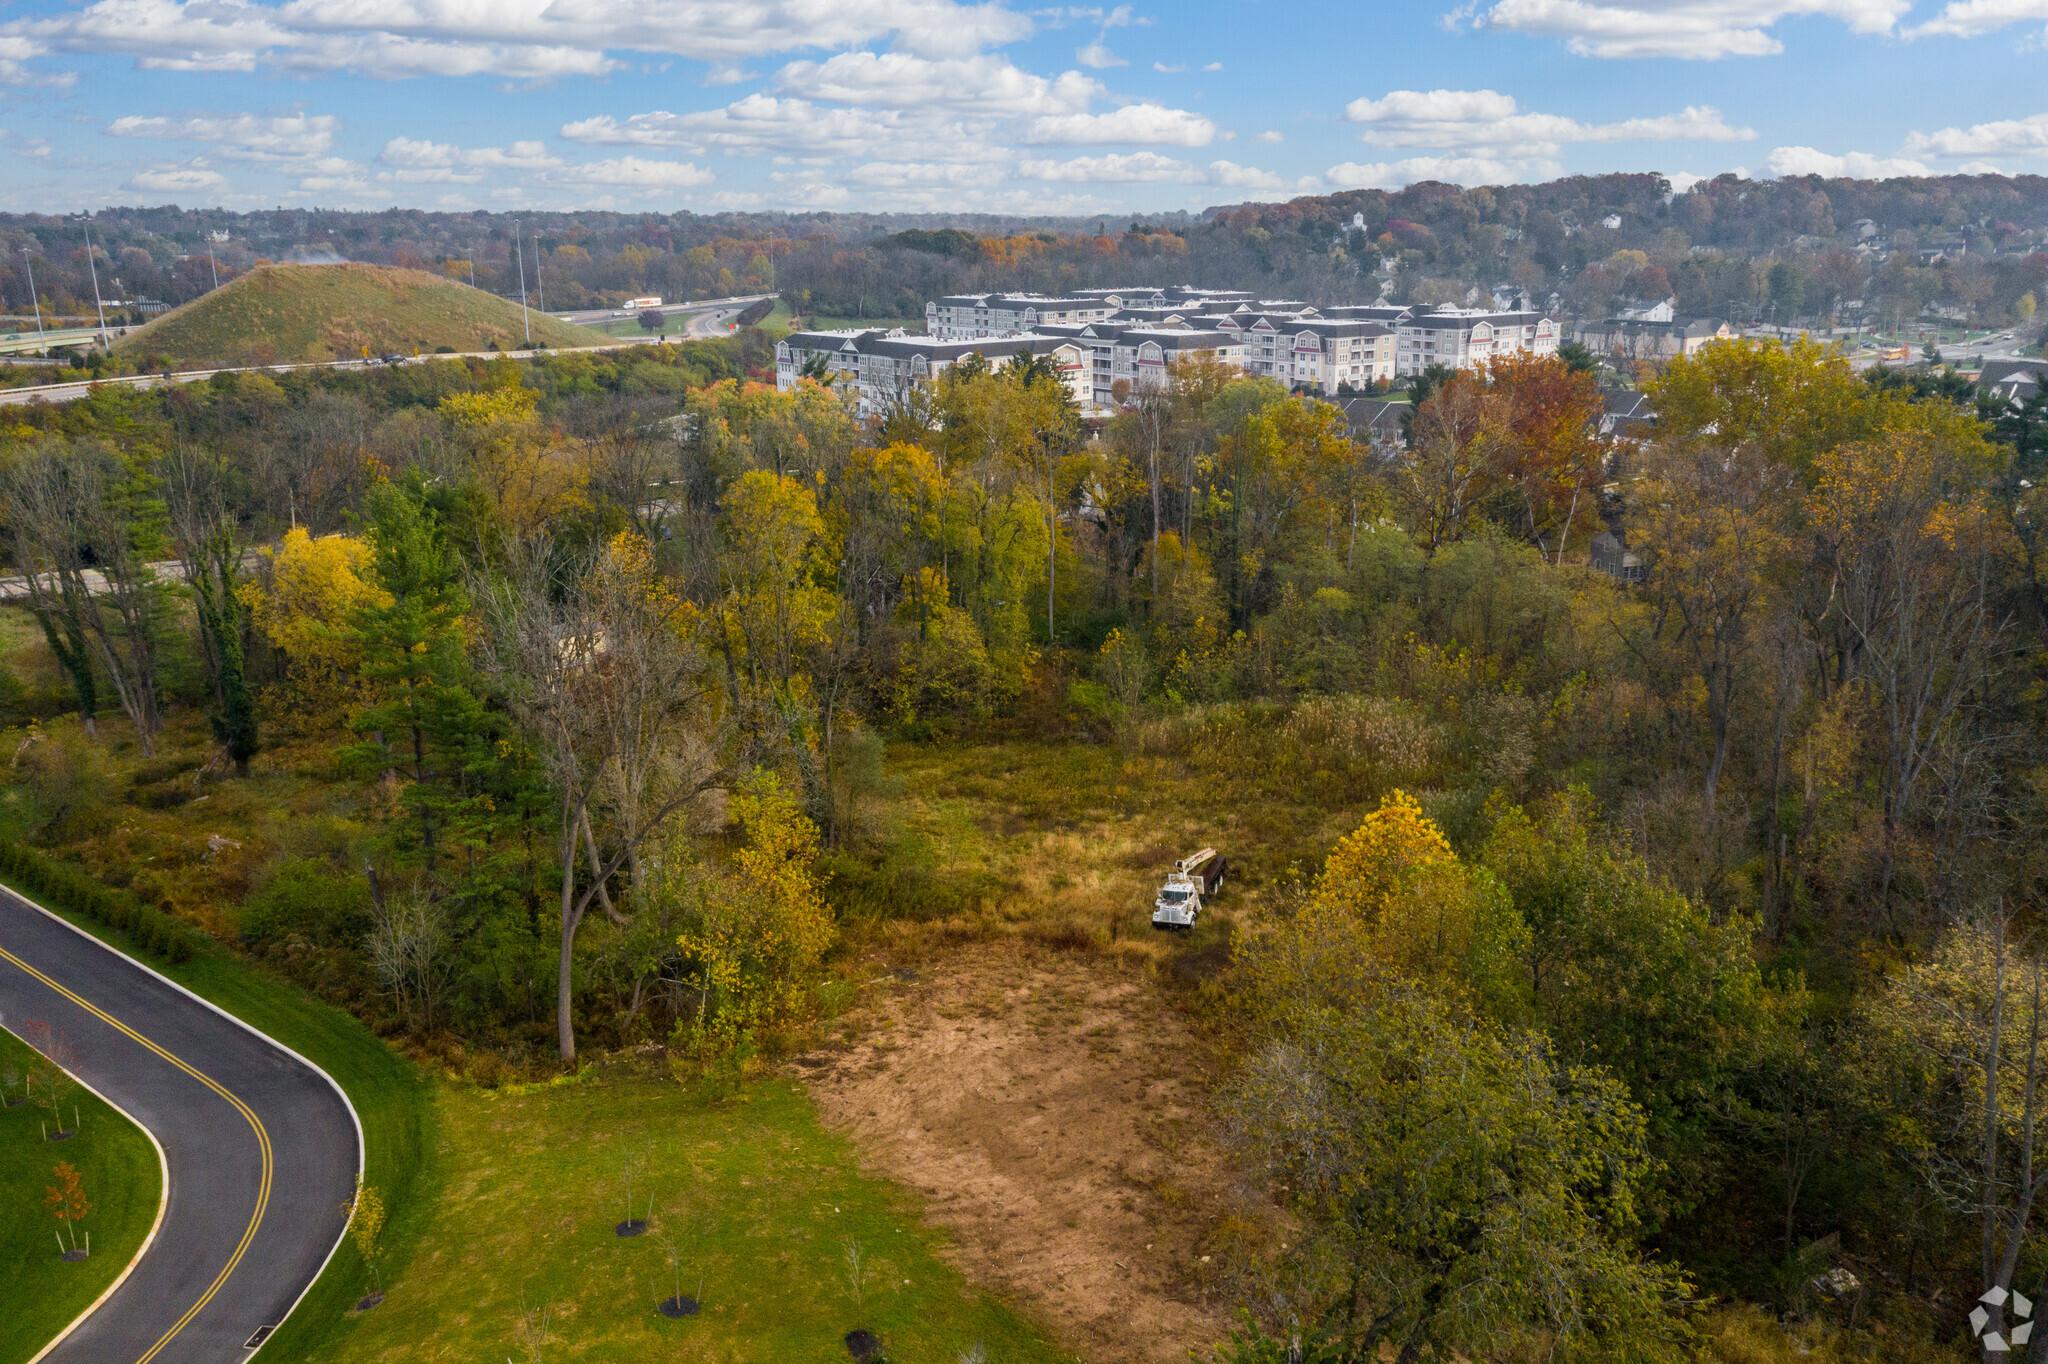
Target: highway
(591,316)
(710,321)
(262,1150)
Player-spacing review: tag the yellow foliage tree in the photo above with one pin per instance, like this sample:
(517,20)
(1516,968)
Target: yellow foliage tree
(1393,907)
(1375,860)
(530,473)
(774,606)
(754,934)
(303,606)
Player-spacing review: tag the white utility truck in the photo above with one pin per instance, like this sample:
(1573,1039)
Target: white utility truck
(1193,880)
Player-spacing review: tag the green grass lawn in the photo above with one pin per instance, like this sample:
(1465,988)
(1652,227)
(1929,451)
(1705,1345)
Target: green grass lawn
(122,1180)
(759,1202)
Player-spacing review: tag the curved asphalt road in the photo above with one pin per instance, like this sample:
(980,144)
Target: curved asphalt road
(262,1149)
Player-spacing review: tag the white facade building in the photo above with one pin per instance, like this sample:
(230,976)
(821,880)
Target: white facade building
(879,369)
(1317,353)
(1465,338)
(972,317)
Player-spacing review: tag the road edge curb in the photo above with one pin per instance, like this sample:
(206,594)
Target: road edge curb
(163,1206)
(362,1147)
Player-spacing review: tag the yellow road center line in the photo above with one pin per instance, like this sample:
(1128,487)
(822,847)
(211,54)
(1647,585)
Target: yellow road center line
(255,1124)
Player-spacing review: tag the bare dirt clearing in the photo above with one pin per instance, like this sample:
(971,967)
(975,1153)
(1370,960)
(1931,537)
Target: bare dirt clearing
(1051,1110)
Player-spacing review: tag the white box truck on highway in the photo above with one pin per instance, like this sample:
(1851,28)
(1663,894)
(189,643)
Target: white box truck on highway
(1194,880)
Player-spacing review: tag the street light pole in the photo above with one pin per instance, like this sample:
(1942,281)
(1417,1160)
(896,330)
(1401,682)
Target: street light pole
(519,250)
(30,265)
(106,343)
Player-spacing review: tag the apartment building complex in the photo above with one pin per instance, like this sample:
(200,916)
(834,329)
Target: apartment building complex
(1654,338)
(1467,338)
(1317,353)
(1139,355)
(1111,343)
(970,317)
(879,369)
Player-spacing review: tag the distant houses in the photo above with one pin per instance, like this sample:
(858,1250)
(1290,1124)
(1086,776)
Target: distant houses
(1651,337)
(1376,423)
(2016,381)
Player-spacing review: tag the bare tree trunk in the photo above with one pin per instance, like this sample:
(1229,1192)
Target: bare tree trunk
(572,916)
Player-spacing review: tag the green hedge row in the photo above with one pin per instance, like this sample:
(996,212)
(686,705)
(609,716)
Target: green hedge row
(74,890)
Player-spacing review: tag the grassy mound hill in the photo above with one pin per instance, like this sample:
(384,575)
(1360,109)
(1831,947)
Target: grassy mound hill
(279,314)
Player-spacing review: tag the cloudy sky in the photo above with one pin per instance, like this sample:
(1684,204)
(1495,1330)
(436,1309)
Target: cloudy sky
(955,105)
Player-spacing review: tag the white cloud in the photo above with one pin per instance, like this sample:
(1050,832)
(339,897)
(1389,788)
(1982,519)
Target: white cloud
(2006,137)
(15,54)
(1213,66)
(814,193)
(1270,136)
(983,84)
(1693,29)
(1849,165)
(521,39)
(1097,57)
(427,163)
(244,137)
(1979,168)
(1462,170)
(334,184)
(897,174)
(633,172)
(1683,181)
(1153,169)
(1115,168)
(1969,18)
(176,180)
(1251,177)
(1486,120)
(404,151)
(727,73)
(763,125)
(1166,70)
(1154,123)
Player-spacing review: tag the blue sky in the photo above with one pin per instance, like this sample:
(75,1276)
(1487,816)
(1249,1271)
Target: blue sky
(1001,106)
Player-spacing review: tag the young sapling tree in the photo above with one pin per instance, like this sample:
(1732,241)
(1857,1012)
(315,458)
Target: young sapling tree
(858,1272)
(67,1202)
(631,1164)
(366,1228)
(50,1079)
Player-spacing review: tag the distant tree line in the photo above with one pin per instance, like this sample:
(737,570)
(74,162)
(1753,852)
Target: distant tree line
(1772,250)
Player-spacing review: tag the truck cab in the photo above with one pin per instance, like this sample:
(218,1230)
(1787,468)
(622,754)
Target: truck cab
(1193,880)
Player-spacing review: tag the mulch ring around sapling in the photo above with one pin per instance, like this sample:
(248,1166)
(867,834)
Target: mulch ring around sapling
(72,1257)
(862,1345)
(681,1305)
(632,1226)
(64,1134)
(368,1300)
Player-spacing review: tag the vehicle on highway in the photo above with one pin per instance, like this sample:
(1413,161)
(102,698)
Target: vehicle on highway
(1194,880)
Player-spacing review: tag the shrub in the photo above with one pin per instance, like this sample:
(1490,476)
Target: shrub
(303,895)
(65,887)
